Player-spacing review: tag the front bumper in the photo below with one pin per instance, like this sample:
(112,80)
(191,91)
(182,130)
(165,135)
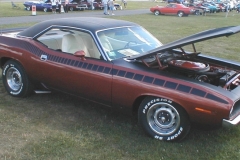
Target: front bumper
(230,123)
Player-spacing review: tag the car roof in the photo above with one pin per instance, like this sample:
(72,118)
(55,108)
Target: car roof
(92,24)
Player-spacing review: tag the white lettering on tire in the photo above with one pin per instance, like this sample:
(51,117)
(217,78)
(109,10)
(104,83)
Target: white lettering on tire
(170,137)
(154,101)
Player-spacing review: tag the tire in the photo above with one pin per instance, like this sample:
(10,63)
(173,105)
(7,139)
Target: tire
(156,13)
(163,119)
(15,79)
(71,8)
(197,12)
(180,14)
(28,8)
(45,9)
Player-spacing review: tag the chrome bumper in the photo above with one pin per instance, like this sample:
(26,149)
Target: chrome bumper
(230,123)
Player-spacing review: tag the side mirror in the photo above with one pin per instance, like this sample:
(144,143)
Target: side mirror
(80,54)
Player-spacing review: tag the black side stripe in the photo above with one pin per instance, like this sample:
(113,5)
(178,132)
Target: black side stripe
(106,70)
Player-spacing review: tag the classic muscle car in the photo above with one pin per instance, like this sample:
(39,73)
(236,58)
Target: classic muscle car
(172,9)
(44,5)
(121,65)
(76,5)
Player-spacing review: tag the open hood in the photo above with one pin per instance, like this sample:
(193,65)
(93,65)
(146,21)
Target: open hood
(205,35)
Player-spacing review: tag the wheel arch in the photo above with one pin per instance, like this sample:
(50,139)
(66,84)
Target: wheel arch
(181,11)
(158,11)
(4,60)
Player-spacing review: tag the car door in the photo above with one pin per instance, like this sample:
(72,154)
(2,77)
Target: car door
(174,9)
(60,69)
(168,9)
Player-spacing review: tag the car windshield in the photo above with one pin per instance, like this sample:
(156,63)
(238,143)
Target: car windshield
(126,42)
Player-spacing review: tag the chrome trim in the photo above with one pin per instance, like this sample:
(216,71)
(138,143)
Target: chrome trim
(230,123)
(41,92)
(77,29)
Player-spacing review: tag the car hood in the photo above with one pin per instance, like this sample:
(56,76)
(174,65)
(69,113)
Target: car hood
(205,35)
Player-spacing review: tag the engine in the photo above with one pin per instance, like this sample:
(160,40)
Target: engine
(188,65)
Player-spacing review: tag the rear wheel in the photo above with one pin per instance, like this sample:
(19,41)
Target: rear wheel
(156,12)
(45,9)
(15,79)
(71,8)
(163,119)
(180,14)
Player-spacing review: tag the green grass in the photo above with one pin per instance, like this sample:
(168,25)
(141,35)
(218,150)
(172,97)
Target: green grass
(60,127)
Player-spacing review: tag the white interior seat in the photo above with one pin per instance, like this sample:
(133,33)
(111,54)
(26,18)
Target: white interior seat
(71,44)
(91,46)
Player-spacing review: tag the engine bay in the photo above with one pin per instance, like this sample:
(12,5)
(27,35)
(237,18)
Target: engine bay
(191,66)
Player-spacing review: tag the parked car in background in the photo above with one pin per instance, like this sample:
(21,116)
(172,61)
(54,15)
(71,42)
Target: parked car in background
(222,6)
(198,10)
(218,7)
(98,4)
(172,9)
(212,8)
(76,5)
(174,1)
(43,5)
(124,67)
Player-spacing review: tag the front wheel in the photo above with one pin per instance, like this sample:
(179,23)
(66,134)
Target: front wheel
(163,119)
(45,9)
(15,79)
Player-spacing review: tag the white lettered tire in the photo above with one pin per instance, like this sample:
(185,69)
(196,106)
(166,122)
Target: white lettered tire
(15,79)
(163,119)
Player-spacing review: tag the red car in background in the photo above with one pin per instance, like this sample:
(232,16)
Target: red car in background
(173,9)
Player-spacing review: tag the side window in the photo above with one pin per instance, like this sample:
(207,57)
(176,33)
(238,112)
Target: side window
(52,39)
(70,41)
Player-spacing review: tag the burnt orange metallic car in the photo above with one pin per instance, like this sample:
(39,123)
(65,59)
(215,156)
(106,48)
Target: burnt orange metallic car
(121,65)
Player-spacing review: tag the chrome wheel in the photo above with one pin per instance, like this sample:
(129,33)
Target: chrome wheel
(180,14)
(156,13)
(14,79)
(45,9)
(163,119)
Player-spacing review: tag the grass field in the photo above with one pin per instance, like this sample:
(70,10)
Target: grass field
(60,127)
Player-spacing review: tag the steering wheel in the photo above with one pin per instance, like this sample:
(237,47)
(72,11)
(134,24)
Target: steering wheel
(129,44)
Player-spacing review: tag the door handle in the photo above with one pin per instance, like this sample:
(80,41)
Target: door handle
(43,57)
